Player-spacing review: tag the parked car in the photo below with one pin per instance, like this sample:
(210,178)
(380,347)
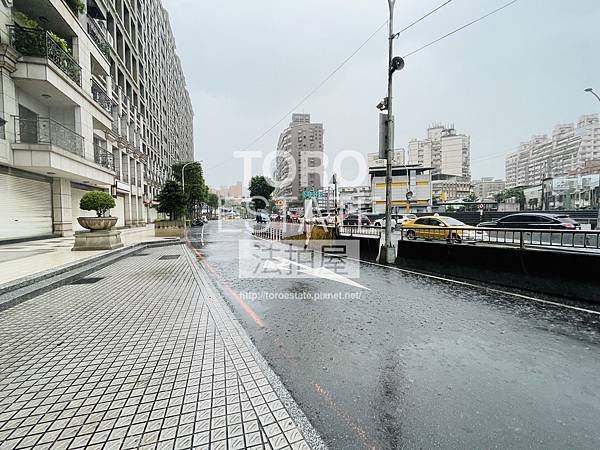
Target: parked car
(357,219)
(262,217)
(381,223)
(326,218)
(443,228)
(197,222)
(397,220)
(274,217)
(534,221)
(404,218)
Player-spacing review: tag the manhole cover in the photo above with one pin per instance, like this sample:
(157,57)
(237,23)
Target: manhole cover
(89,280)
(169,257)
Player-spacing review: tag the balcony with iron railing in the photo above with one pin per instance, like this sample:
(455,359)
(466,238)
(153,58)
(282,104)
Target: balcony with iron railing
(103,157)
(99,36)
(39,43)
(43,130)
(101,97)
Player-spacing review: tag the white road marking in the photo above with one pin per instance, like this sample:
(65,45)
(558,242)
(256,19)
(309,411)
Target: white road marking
(320,272)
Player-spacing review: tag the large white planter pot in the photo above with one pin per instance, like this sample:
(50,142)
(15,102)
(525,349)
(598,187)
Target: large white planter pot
(97,223)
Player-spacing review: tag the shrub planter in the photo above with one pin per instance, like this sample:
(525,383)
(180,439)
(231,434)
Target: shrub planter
(101,235)
(168,228)
(97,223)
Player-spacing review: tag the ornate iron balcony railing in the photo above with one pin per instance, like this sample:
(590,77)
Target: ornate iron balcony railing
(98,35)
(101,97)
(103,157)
(44,130)
(34,42)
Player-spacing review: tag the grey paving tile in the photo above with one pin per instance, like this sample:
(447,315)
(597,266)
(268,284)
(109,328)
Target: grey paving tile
(135,360)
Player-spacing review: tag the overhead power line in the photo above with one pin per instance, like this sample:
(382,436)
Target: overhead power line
(419,19)
(479,19)
(319,86)
(337,69)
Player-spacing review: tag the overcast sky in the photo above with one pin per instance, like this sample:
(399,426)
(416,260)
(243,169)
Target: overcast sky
(517,73)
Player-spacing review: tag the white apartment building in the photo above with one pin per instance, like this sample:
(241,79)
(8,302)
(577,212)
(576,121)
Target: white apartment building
(93,98)
(448,153)
(568,149)
(355,199)
(299,161)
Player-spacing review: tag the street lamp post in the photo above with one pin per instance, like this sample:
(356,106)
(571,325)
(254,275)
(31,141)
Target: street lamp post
(591,91)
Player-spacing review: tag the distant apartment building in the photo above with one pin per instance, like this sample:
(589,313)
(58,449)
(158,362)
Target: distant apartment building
(398,158)
(326,198)
(234,191)
(565,192)
(450,190)
(355,199)
(569,149)
(93,98)
(299,161)
(487,187)
(445,151)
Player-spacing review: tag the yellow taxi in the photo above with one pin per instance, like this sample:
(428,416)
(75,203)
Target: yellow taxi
(440,227)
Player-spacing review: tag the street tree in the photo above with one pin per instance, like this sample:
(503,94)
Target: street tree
(195,189)
(471,198)
(517,193)
(260,190)
(213,202)
(172,200)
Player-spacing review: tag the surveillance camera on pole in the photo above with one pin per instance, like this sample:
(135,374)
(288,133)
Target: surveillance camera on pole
(383,104)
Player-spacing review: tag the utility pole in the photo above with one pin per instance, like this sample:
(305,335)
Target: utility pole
(388,252)
(591,91)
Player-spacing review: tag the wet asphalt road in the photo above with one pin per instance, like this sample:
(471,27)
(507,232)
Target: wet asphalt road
(416,362)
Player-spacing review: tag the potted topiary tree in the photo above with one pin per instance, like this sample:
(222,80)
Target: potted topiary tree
(100,236)
(100,202)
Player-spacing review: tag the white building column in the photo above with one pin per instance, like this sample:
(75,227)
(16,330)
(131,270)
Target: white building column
(62,216)
(128,213)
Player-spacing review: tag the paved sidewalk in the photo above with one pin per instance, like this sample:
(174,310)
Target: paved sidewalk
(27,258)
(140,354)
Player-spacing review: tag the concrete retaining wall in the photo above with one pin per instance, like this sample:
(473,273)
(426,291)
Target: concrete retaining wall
(570,274)
(168,228)
(317,233)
